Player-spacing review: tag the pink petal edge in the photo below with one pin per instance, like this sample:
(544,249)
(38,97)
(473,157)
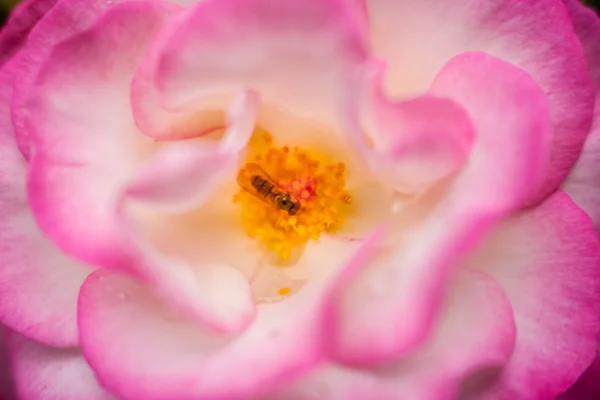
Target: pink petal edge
(547,259)
(47,373)
(125,329)
(38,284)
(413,143)
(66,19)
(417,39)
(200,56)
(78,194)
(401,294)
(582,182)
(475,333)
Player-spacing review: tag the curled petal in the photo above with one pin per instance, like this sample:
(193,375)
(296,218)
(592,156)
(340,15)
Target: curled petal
(86,167)
(46,373)
(582,182)
(510,114)
(65,19)
(400,291)
(547,259)
(219,47)
(39,284)
(142,349)
(179,179)
(475,333)
(414,143)
(187,173)
(82,158)
(537,36)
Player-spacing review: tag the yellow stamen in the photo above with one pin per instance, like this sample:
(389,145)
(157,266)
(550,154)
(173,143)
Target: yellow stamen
(283,291)
(309,178)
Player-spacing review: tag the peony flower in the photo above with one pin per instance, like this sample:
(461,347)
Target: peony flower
(299,199)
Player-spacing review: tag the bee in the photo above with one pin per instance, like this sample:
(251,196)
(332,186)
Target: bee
(256,181)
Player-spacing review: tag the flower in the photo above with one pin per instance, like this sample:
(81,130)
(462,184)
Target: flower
(299,199)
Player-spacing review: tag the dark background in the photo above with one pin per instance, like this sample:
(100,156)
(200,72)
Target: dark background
(7,5)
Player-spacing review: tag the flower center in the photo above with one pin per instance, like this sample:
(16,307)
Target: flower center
(289,196)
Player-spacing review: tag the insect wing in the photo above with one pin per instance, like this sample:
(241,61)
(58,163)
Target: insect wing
(248,173)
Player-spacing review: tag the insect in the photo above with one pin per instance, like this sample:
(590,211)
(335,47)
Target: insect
(256,181)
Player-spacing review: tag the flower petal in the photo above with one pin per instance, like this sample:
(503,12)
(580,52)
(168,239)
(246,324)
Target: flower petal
(187,173)
(547,259)
(416,142)
(475,332)
(418,39)
(399,293)
(587,386)
(65,19)
(46,373)
(219,47)
(582,182)
(85,170)
(140,348)
(39,284)
(22,19)
(83,135)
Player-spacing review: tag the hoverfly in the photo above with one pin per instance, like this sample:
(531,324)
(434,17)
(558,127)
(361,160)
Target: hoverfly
(256,181)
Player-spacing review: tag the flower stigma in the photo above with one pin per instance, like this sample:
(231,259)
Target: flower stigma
(289,196)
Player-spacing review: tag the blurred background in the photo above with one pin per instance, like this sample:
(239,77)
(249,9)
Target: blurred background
(7,5)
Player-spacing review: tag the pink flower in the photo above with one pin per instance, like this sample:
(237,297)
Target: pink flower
(299,199)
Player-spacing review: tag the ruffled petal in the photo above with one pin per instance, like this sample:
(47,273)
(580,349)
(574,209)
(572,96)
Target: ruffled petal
(299,53)
(582,184)
(86,168)
(399,292)
(475,333)
(415,143)
(22,19)
(547,259)
(141,348)
(65,19)
(86,145)
(418,39)
(46,373)
(183,176)
(39,284)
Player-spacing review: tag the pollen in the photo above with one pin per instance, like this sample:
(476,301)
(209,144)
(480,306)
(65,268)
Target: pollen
(283,291)
(312,180)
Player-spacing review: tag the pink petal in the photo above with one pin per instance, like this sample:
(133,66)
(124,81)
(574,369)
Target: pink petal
(80,188)
(416,142)
(475,332)
(67,18)
(399,294)
(141,348)
(22,19)
(46,373)
(86,144)
(587,386)
(180,179)
(582,182)
(38,284)
(418,39)
(219,47)
(548,261)
(184,175)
